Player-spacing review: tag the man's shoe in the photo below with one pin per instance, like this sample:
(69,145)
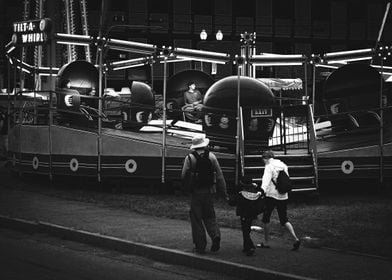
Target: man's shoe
(215,244)
(296,245)
(261,245)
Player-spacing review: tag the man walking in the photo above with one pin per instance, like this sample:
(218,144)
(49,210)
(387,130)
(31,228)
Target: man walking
(203,175)
(275,199)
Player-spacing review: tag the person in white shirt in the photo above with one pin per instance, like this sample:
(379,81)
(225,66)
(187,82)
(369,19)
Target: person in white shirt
(275,199)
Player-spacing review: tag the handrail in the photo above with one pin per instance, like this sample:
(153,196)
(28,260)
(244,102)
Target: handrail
(375,112)
(366,110)
(242,144)
(312,144)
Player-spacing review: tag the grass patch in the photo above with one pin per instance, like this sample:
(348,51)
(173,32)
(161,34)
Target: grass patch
(358,222)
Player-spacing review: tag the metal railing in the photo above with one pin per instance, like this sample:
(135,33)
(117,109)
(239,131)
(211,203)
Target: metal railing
(313,144)
(241,144)
(291,130)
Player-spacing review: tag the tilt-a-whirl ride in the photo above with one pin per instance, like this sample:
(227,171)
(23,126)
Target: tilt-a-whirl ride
(80,127)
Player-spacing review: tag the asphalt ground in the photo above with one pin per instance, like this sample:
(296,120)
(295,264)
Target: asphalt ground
(169,240)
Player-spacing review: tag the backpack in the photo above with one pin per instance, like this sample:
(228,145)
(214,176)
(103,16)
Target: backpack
(283,182)
(203,172)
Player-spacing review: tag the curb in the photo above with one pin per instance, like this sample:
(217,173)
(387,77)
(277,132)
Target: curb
(156,253)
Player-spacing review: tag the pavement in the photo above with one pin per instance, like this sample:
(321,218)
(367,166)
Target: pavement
(169,240)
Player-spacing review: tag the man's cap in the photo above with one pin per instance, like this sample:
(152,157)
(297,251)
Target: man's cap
(199,141)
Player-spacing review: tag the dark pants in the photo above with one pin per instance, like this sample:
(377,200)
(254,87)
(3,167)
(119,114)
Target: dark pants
(246,223)
(281,207)
(202,215)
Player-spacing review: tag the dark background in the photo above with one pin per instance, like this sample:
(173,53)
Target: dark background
(281,26)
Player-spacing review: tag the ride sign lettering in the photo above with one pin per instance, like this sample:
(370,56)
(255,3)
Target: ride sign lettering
(31,32)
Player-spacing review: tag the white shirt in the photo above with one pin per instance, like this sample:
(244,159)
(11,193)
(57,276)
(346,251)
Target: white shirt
(271,170)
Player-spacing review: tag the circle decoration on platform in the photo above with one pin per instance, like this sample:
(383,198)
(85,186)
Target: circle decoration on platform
(74,165)
(130,166)
(347,167)
(35,163)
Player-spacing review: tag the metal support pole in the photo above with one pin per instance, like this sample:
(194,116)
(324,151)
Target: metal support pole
(14,115)
(68,19)
(253,67)
(52,53)
(20,93)
(100,94)
(284,131)
(237,159)
(8,98)
(381,126)
(164,120)
(35,108)
(52,8)
(38,49)
(306,79)
(313,86)
(381,28)
(152,75)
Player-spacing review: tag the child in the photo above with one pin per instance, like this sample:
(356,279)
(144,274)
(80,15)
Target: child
(249,206)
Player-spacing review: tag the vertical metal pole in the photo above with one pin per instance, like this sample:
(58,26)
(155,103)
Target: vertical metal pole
(52,12)
(9,98)
(99,60)
(8,106)
(100,94)
(253,66)
(282,122)
(35,107)
(381,125)
(313,85)
(237,162)
(382,27)
(152,76)
(243,55)
(83,12)
(20,93)
(52,54)
(25,16)
(306,79)
(68,16)
(14,115)
(164,119)
(38,49)
(284,131)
